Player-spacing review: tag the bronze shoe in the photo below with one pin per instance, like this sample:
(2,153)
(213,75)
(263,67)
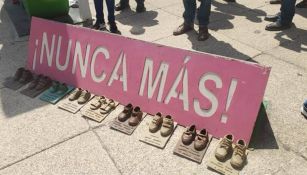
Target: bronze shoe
(167,126)
(26,76)
(136,116)
(239,155)
(18,73)
(43,83)
(126,113)
(189,135)
(224,147)
(75,94)
(84,97)
(201,140)
(156,123)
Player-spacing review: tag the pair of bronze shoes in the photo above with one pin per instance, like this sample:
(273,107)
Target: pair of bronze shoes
(82,96)
(39,83)
(105,105)
(238,152)
(200,139)
(134,114)
(165,124)
(59,88)
(22,75)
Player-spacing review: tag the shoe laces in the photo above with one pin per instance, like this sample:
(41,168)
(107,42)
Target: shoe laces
(225,143)
(239,150)
(83,94)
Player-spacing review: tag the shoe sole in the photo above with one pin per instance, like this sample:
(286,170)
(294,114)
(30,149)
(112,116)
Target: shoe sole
(304,113)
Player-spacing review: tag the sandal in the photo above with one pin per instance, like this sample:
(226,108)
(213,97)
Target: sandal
(110,106)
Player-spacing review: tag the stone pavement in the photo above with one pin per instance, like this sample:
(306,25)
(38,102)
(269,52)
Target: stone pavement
(38,138)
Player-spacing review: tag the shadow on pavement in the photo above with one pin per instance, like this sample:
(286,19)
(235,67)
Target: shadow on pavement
(226,9)
(138,22)
(294,34)
(263,135)
(214,46)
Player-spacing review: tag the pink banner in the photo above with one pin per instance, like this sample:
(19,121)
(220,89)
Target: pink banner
(220,94)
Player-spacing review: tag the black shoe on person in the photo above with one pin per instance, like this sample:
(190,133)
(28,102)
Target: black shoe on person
(272,18)
(277,26)
(275,1)
(140,8)
(203,33)
(183,28)
(114,29)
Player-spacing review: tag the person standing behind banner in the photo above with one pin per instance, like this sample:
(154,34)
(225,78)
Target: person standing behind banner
(100,22)
(283,19)
(189,16)
(123,4)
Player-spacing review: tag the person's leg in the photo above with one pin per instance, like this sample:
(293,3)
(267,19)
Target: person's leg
(122,5)
(140,6)
(285,18)
(287,12)
(203,18)
(188,16)
(99,15)
(111,16)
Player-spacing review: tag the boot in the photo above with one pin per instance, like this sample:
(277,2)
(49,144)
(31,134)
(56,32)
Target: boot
(183,28)
(114,29)
(203,33)
(140,7)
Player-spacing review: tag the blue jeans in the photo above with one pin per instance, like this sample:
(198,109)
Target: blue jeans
(203,13)
(287,12)
(99,11)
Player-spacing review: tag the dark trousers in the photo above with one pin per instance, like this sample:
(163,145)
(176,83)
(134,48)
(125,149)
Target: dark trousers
(287,12)
(126,2)
(99,11)
(203,13)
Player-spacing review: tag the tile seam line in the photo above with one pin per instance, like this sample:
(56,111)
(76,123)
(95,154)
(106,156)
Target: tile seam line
(106,150)
(44,149)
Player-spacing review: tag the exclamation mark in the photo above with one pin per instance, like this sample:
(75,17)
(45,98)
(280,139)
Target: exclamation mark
(231,91)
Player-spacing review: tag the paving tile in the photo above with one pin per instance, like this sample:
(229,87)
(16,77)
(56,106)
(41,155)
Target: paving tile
(80,155)
(149,26)
(163,3)
(245,30)
(134,157)
(249,4)
(30,125)
(266,161)
(286,92)
(216,44)
(294,52)
(297,166)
